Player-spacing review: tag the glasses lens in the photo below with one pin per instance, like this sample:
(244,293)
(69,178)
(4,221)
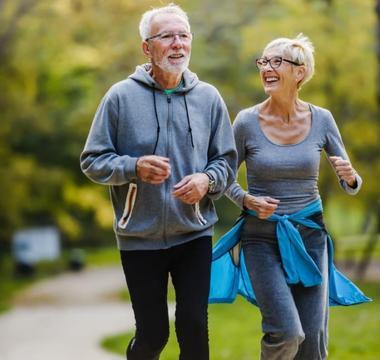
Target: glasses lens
(168,38)
(261,62)
(275,62)
(185,36)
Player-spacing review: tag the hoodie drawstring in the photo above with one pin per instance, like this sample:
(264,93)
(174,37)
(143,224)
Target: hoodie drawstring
(158,123)
(188,121)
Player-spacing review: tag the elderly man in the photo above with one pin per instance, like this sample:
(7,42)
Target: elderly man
(163,142)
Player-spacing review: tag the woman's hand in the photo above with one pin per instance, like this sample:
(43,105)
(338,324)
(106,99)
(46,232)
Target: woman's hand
(264,206)
(344,170)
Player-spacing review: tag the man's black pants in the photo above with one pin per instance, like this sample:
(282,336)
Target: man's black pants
(147,273)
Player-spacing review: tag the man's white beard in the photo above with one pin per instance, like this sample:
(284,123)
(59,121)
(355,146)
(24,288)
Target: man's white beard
(165,65)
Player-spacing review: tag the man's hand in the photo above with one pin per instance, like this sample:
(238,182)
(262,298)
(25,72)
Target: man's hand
(153,169)
(344,170)
(191,188)
(264,206)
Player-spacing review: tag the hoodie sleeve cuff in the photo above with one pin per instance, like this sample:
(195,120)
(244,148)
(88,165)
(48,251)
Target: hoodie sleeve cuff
(130,167)
(219,187)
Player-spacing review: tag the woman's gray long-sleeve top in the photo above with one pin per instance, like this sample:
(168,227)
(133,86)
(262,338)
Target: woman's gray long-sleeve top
(288,173)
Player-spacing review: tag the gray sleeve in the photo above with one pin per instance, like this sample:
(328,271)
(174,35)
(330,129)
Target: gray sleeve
(99,160)
(334,147)
(222,152)
(235,192)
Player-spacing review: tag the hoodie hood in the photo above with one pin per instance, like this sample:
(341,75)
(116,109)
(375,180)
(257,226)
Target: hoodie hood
(142,75)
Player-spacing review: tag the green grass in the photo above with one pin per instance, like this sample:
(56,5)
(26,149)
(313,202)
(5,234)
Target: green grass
(103,256)
(354,331)
(351,247)
(235,332)
(8,287)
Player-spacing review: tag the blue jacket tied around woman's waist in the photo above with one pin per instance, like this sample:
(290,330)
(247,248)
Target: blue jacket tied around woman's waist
(229,279)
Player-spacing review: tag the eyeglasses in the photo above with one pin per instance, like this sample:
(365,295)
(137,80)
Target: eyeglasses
(168,38)
(274,62)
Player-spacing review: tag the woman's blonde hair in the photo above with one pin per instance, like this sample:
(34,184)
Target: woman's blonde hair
(300,50)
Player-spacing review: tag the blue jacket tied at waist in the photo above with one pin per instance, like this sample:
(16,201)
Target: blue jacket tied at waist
(229,278)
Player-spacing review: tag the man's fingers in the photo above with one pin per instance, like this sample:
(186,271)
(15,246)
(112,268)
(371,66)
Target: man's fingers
(154,159)
(189,200)
(158,157)
(154,179)
(159,171)
(153,169)
(154,175)
(182,190)
(184,181)
(156,182)
(163,158)
(159,163)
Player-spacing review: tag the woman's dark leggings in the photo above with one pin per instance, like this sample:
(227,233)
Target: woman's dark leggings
(147,273)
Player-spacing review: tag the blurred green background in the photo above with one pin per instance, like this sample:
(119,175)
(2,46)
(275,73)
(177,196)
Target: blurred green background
(58,58)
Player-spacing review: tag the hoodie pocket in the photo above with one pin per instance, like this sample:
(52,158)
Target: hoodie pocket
(198,214)
(129,204)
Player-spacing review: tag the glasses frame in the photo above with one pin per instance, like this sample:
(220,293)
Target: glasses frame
(269,61)
(173,33)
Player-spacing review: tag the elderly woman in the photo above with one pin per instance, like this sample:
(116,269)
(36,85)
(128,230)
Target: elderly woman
(281,140)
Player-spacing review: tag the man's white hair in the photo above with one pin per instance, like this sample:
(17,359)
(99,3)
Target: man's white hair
(299,49)
(148,16)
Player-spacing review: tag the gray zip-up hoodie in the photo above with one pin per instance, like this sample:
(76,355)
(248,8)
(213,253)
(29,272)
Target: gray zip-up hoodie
(191,127)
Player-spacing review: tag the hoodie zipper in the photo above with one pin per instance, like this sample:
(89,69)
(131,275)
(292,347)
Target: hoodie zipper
(169,101)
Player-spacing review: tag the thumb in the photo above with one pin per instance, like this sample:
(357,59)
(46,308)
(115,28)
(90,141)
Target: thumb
(184,181)
(271,200)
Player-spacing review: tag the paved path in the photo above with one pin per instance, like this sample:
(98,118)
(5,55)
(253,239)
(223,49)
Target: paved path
(65,317)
